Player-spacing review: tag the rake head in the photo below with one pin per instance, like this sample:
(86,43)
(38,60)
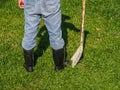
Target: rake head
(76,57)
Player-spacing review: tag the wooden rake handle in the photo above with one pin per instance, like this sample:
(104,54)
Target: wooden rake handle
(82,23)
(77,55)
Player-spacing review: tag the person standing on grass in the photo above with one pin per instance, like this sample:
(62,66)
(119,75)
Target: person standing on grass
(51,12)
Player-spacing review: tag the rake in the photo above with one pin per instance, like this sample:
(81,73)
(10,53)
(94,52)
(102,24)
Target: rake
(78,54)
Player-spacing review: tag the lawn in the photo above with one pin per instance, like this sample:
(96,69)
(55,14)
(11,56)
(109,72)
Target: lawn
(98,69)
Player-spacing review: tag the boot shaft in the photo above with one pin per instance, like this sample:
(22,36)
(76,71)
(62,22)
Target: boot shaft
(59,58)
(29,57)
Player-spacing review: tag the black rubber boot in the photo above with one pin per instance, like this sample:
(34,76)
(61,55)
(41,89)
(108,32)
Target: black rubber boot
(59,58)
(29,60)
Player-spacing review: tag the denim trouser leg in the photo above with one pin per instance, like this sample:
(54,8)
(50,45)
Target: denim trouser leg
(53,24)
(31,25)
(50,9)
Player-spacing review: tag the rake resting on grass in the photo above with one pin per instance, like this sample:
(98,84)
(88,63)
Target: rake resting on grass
(77,55)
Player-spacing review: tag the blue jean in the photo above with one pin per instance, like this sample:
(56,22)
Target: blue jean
(50,10)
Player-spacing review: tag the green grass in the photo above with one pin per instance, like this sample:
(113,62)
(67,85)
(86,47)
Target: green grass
(99,69)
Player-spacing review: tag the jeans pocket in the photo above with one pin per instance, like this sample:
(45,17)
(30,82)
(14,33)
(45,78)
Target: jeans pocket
(29,5)
(51,5)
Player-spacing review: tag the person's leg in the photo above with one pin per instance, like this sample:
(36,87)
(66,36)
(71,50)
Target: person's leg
(52,18)
(30,31)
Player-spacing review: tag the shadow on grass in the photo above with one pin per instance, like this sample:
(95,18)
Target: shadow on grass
(3,2)
(67,25)
(44,38)
(43,43)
